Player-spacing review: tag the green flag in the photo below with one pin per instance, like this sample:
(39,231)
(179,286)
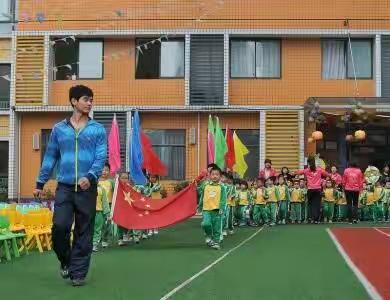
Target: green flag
(220,146)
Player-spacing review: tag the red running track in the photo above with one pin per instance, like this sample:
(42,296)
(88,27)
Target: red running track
(369,250)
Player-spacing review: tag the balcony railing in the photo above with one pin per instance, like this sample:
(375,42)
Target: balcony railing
(4,103)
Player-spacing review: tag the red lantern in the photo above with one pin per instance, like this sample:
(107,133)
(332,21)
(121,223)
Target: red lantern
(317,135)
(360,135)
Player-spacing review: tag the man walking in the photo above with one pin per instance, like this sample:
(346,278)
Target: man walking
(78,147)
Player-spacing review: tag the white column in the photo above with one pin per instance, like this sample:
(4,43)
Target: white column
(301,128)
(187,62)
(46,70)
(226,69)
(128,133)
(13,156)
(378,69)
(262,136)
(13,71)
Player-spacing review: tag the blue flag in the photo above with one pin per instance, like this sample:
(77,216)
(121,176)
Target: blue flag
(136,157)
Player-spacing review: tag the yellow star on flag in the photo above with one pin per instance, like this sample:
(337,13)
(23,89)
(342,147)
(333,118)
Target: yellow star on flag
(128,198)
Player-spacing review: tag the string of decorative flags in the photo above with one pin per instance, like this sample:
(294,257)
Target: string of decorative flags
(226,151)
(114,56)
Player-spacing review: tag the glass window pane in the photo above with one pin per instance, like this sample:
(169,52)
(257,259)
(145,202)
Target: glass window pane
(4,159)
(65,58)
(169,144)
(333,59)
(91,59)
(147,60)
(242,59)
(362,57)
(5,84)
(172,59)
(250,138)
(268,59)
(5,9)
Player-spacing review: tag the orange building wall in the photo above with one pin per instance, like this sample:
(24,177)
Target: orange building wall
(31,159)
(300,79)
(151,14)
(119,85)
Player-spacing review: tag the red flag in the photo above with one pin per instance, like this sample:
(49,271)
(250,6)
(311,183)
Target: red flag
(230,157)
(134,211)
(152,162)
(114,147)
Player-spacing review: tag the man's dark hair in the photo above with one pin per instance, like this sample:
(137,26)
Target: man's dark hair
(244,182)
(353,164)
(268,161)
(78,91)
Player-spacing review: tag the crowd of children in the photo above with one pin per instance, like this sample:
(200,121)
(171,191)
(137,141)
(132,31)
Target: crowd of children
(105,230)
(226,202)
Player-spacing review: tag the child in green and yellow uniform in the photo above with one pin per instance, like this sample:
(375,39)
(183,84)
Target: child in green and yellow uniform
(304,205)
(297,197)
(379,195)
(212,201)
(284,199)
(387,200)
(370,204)
(329,197)
(102,213)
(244,201)
(363,214)
(272,201)
(237,185)
(231,204)
(260,214)
(108,184)
(341,205)
(153,190)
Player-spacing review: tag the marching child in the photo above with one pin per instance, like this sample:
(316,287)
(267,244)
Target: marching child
(244,202)
(297,196)
(371,205)
(329,197)
(153,190)
(260,214)
(237,185)
(272,201)
(212,202)
(102,213)
(284,199)
(341,205)
(231,204)
(108,184)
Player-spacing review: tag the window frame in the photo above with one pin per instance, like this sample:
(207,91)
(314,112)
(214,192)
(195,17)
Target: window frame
(9,98)
(184,146)
(11,11)
(176,39)
(77,49)
(346,54)
(255,40)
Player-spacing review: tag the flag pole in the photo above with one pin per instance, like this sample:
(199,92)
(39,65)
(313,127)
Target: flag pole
(114,195)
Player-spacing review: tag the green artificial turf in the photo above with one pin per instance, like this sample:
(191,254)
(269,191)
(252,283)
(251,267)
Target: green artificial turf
(287,262)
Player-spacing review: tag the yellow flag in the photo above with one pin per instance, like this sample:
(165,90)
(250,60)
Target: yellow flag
(240,151)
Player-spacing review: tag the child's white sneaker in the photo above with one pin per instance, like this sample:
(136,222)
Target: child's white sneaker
(330,221)
(104,244)
(155,232)
(208,240)
(224,233)
(121,243)
(136,239)
(216,246)
(231,231)
(95,249)
(144,236)
(150,233)
(125,238)
(284,222)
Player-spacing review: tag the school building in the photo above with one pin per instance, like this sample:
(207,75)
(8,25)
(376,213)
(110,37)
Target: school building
(254,64)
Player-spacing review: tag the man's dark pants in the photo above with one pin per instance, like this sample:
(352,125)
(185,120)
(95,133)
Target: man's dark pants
(79,207)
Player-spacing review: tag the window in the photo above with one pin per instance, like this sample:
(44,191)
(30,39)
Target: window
(255,59)
(5,84)
(3,170)
(160,60)
(169,144)
(80,59)
(337,59)
(45,137)
(250,138)
(5,10)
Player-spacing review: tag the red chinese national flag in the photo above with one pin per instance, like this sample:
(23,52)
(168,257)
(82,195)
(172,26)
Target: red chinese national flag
(152,162)
(132,210)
